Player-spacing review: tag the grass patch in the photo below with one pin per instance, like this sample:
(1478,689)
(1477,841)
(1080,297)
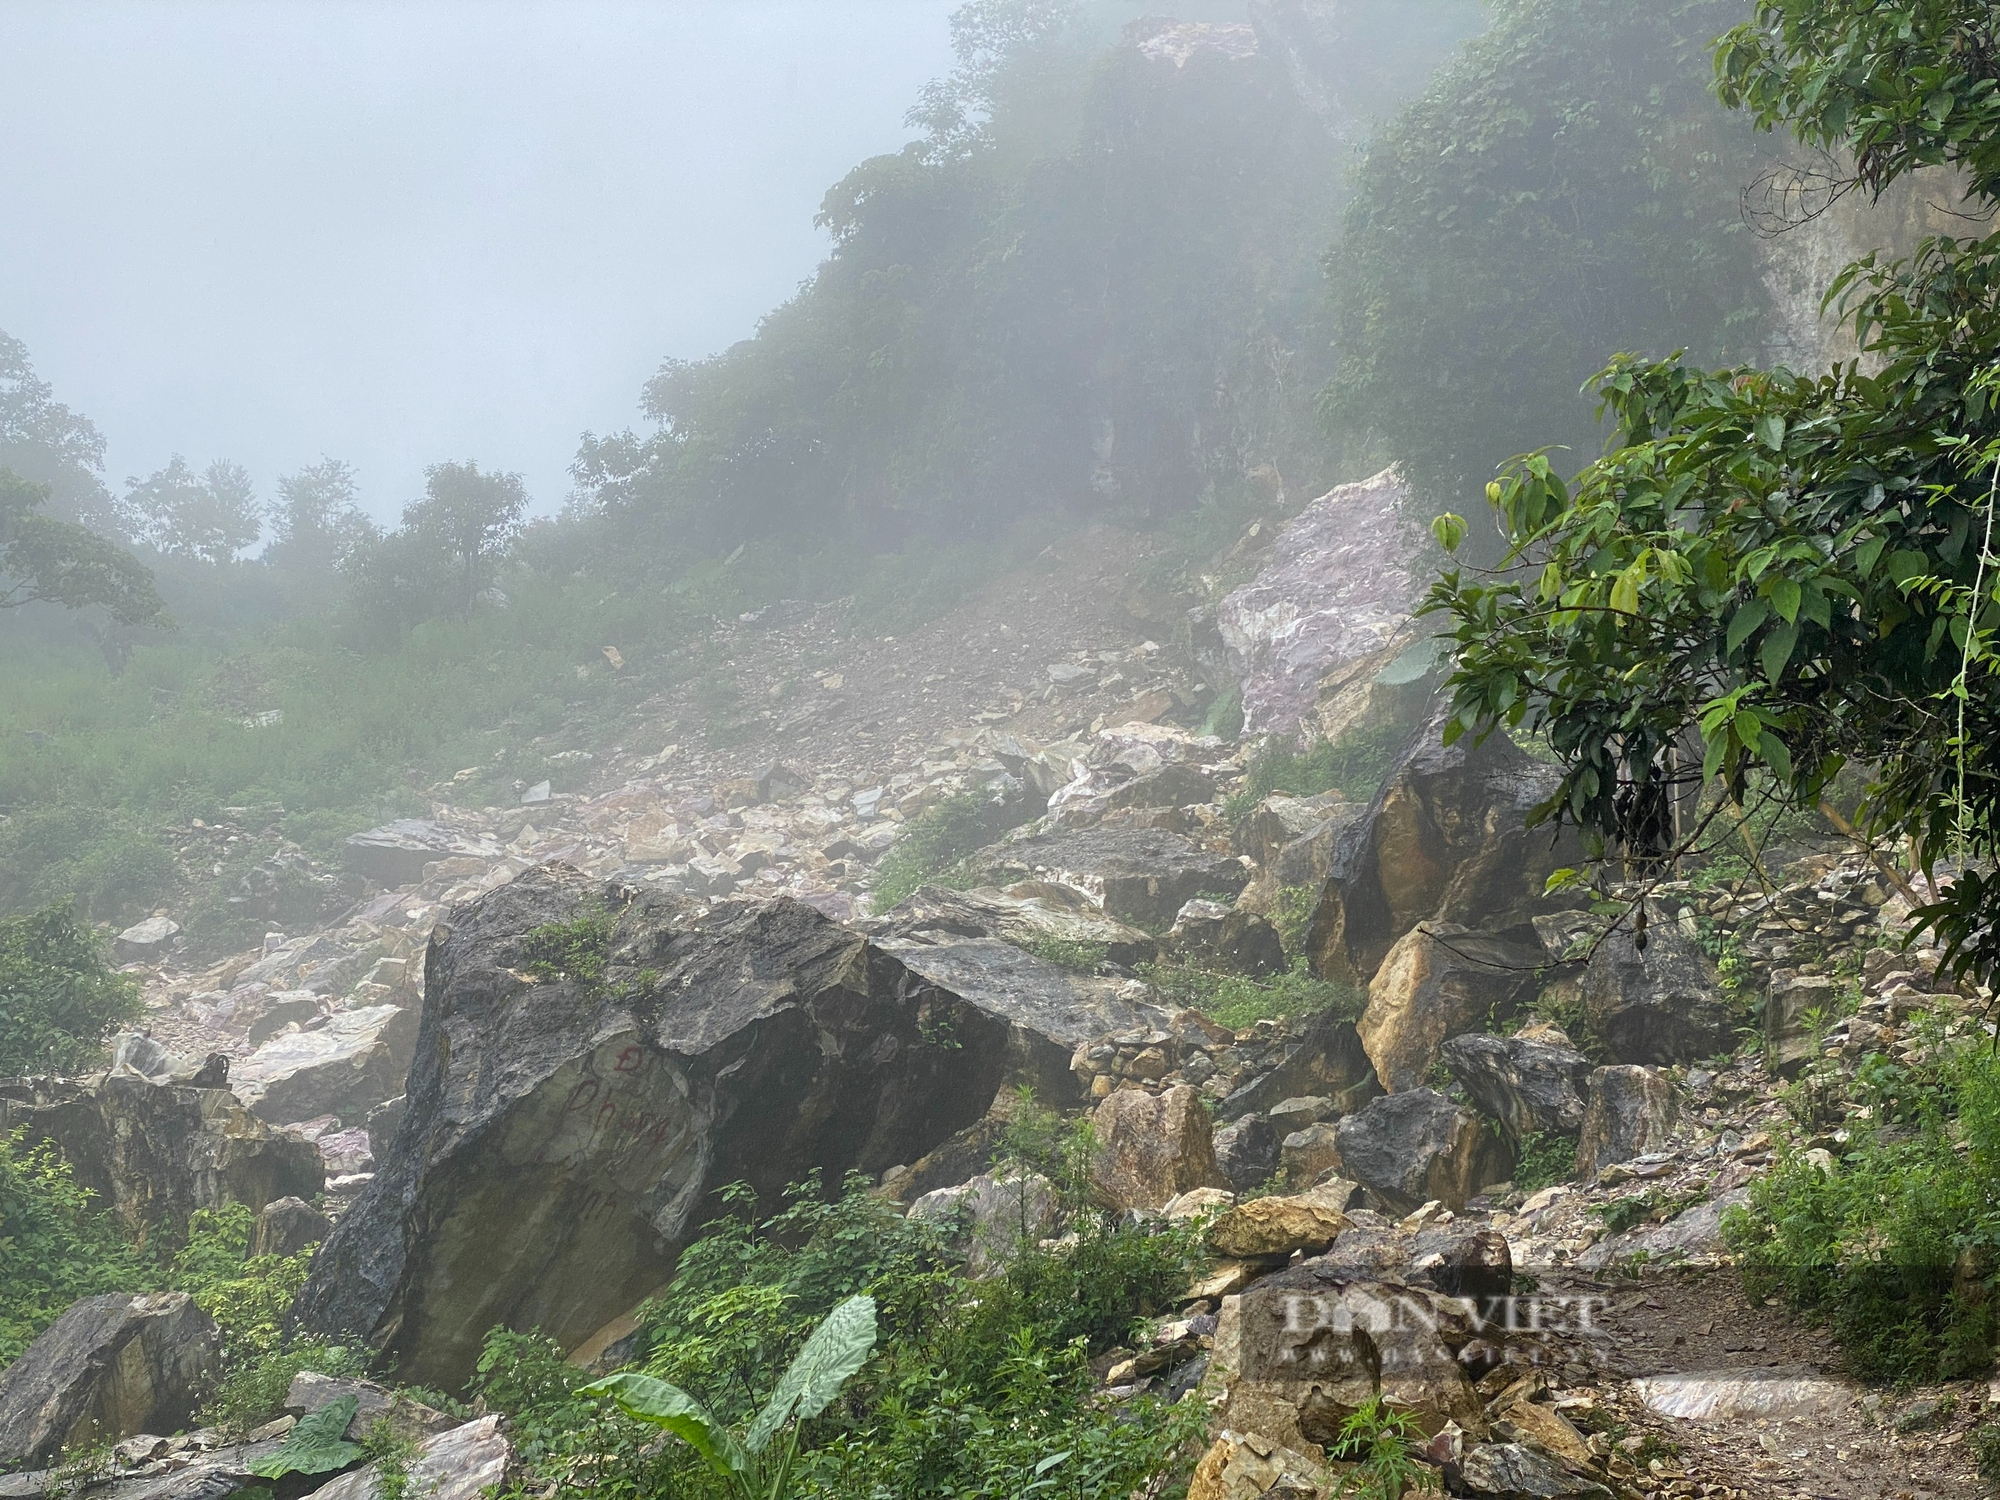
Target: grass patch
(1354,765)
(936,843)
(1081,958)
(1236,1001)
(1546,1158)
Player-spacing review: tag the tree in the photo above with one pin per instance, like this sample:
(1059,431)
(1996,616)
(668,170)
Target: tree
(59,999)
(46,561)
(468,516)
(1567,186)
(44,441)
(1772,575)
(210,516)
(316,523)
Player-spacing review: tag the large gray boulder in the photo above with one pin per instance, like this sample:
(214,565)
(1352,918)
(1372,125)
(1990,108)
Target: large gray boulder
(566,1134)
(1528,1086)
(1049,1011)
(1324,1060)
(1788,1022)
(1410,1148)
(1632,1110)
(357,1060)
(110,1367)
(1329,611)
(1142,875)
(1445,840)
(153,1153)
(1663,1005)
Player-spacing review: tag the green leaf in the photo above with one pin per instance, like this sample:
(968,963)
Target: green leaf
(837,1348)
(1785,594)
(1746,619)
(1771,431)
(317,1443)
(1903,566)
(668,1406)
(1449,530)
(1625,591)
(1865,556)
(1564,879)
(1777,650)
(1749,729)
(1777,756)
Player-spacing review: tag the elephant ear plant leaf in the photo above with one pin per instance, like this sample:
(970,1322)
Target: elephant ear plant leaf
(750,1464)
(316,1445)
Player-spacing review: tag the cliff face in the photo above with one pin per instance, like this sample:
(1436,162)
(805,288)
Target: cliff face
(1803,242)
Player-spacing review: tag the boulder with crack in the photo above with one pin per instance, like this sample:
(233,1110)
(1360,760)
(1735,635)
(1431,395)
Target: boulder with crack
(1325,1059)
(566,1133)
(1445,841)
(1410,1148)
(1659,1005)
(108,1368)
(1328,613)
(1141,875)
(1529,1086)
(1148,1149)
(1225,939)
(153,1153)
(1631,1110)
(358,1059)
(1440,981)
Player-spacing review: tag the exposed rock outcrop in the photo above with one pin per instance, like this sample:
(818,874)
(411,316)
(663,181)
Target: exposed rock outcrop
(1660,1006)
(1439,981)
(1142,875)
(1632,1110)
(1410,1148)
(1445,841)
(154,1153)
(565,1132)
(1529,1086)
(1328,613)
(1038,912)
(358,1059)
(110,1367)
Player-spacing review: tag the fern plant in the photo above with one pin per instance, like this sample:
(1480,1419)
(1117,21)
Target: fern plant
(754,1464)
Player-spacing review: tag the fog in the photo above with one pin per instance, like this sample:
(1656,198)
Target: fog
(403,232)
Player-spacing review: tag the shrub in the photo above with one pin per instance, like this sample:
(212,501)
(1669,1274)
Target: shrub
(1547,1157)
(937,841)
(1894,1248)
(59,999)
(1354,764)
(55,1246)
(1237,1001)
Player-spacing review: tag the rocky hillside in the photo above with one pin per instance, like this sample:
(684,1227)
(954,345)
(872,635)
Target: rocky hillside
(1438,1140)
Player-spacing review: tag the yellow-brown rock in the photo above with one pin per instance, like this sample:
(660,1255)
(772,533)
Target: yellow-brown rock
(1268,1227)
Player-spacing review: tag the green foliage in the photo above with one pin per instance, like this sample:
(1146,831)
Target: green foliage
(1236,1001)
(252,1391)
(576,950)
(747,1461)
(317,1445)
(1083,958)
(390,1453)
(1796,568)
(1292,916)
(935,842)
(1383,1444)
(54,1245)
(59,998)
(47,561)
(580,1445)
(1877,1246)
(248,1296)
(1985,1446)
(1567,186)
(1355,765)
(1546,1158)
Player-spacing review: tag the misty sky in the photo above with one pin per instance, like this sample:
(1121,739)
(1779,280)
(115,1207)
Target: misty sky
(399,233)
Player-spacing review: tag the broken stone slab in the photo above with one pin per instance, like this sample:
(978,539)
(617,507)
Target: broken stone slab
(1249,1466)
(1411,1148)
(288,1226)
(1788,1033)
(565,1136)
(358,1059)
(1140,875)
(1631,1110)
(396,853)
(1028,914)
(1324,1059)
(1691,1233)
(1529,1086)
(1774,1393)
(1248,1152)
(1513,1471)
(990,1218)
(1225,939)
(464,1463)
(1335,598)
(1662,1006)
(1439,981)
(154,1153)
(1445,840)
(1269,1227)
(109,1367)
(1050,1011)
(1148,1149)
(145,941)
